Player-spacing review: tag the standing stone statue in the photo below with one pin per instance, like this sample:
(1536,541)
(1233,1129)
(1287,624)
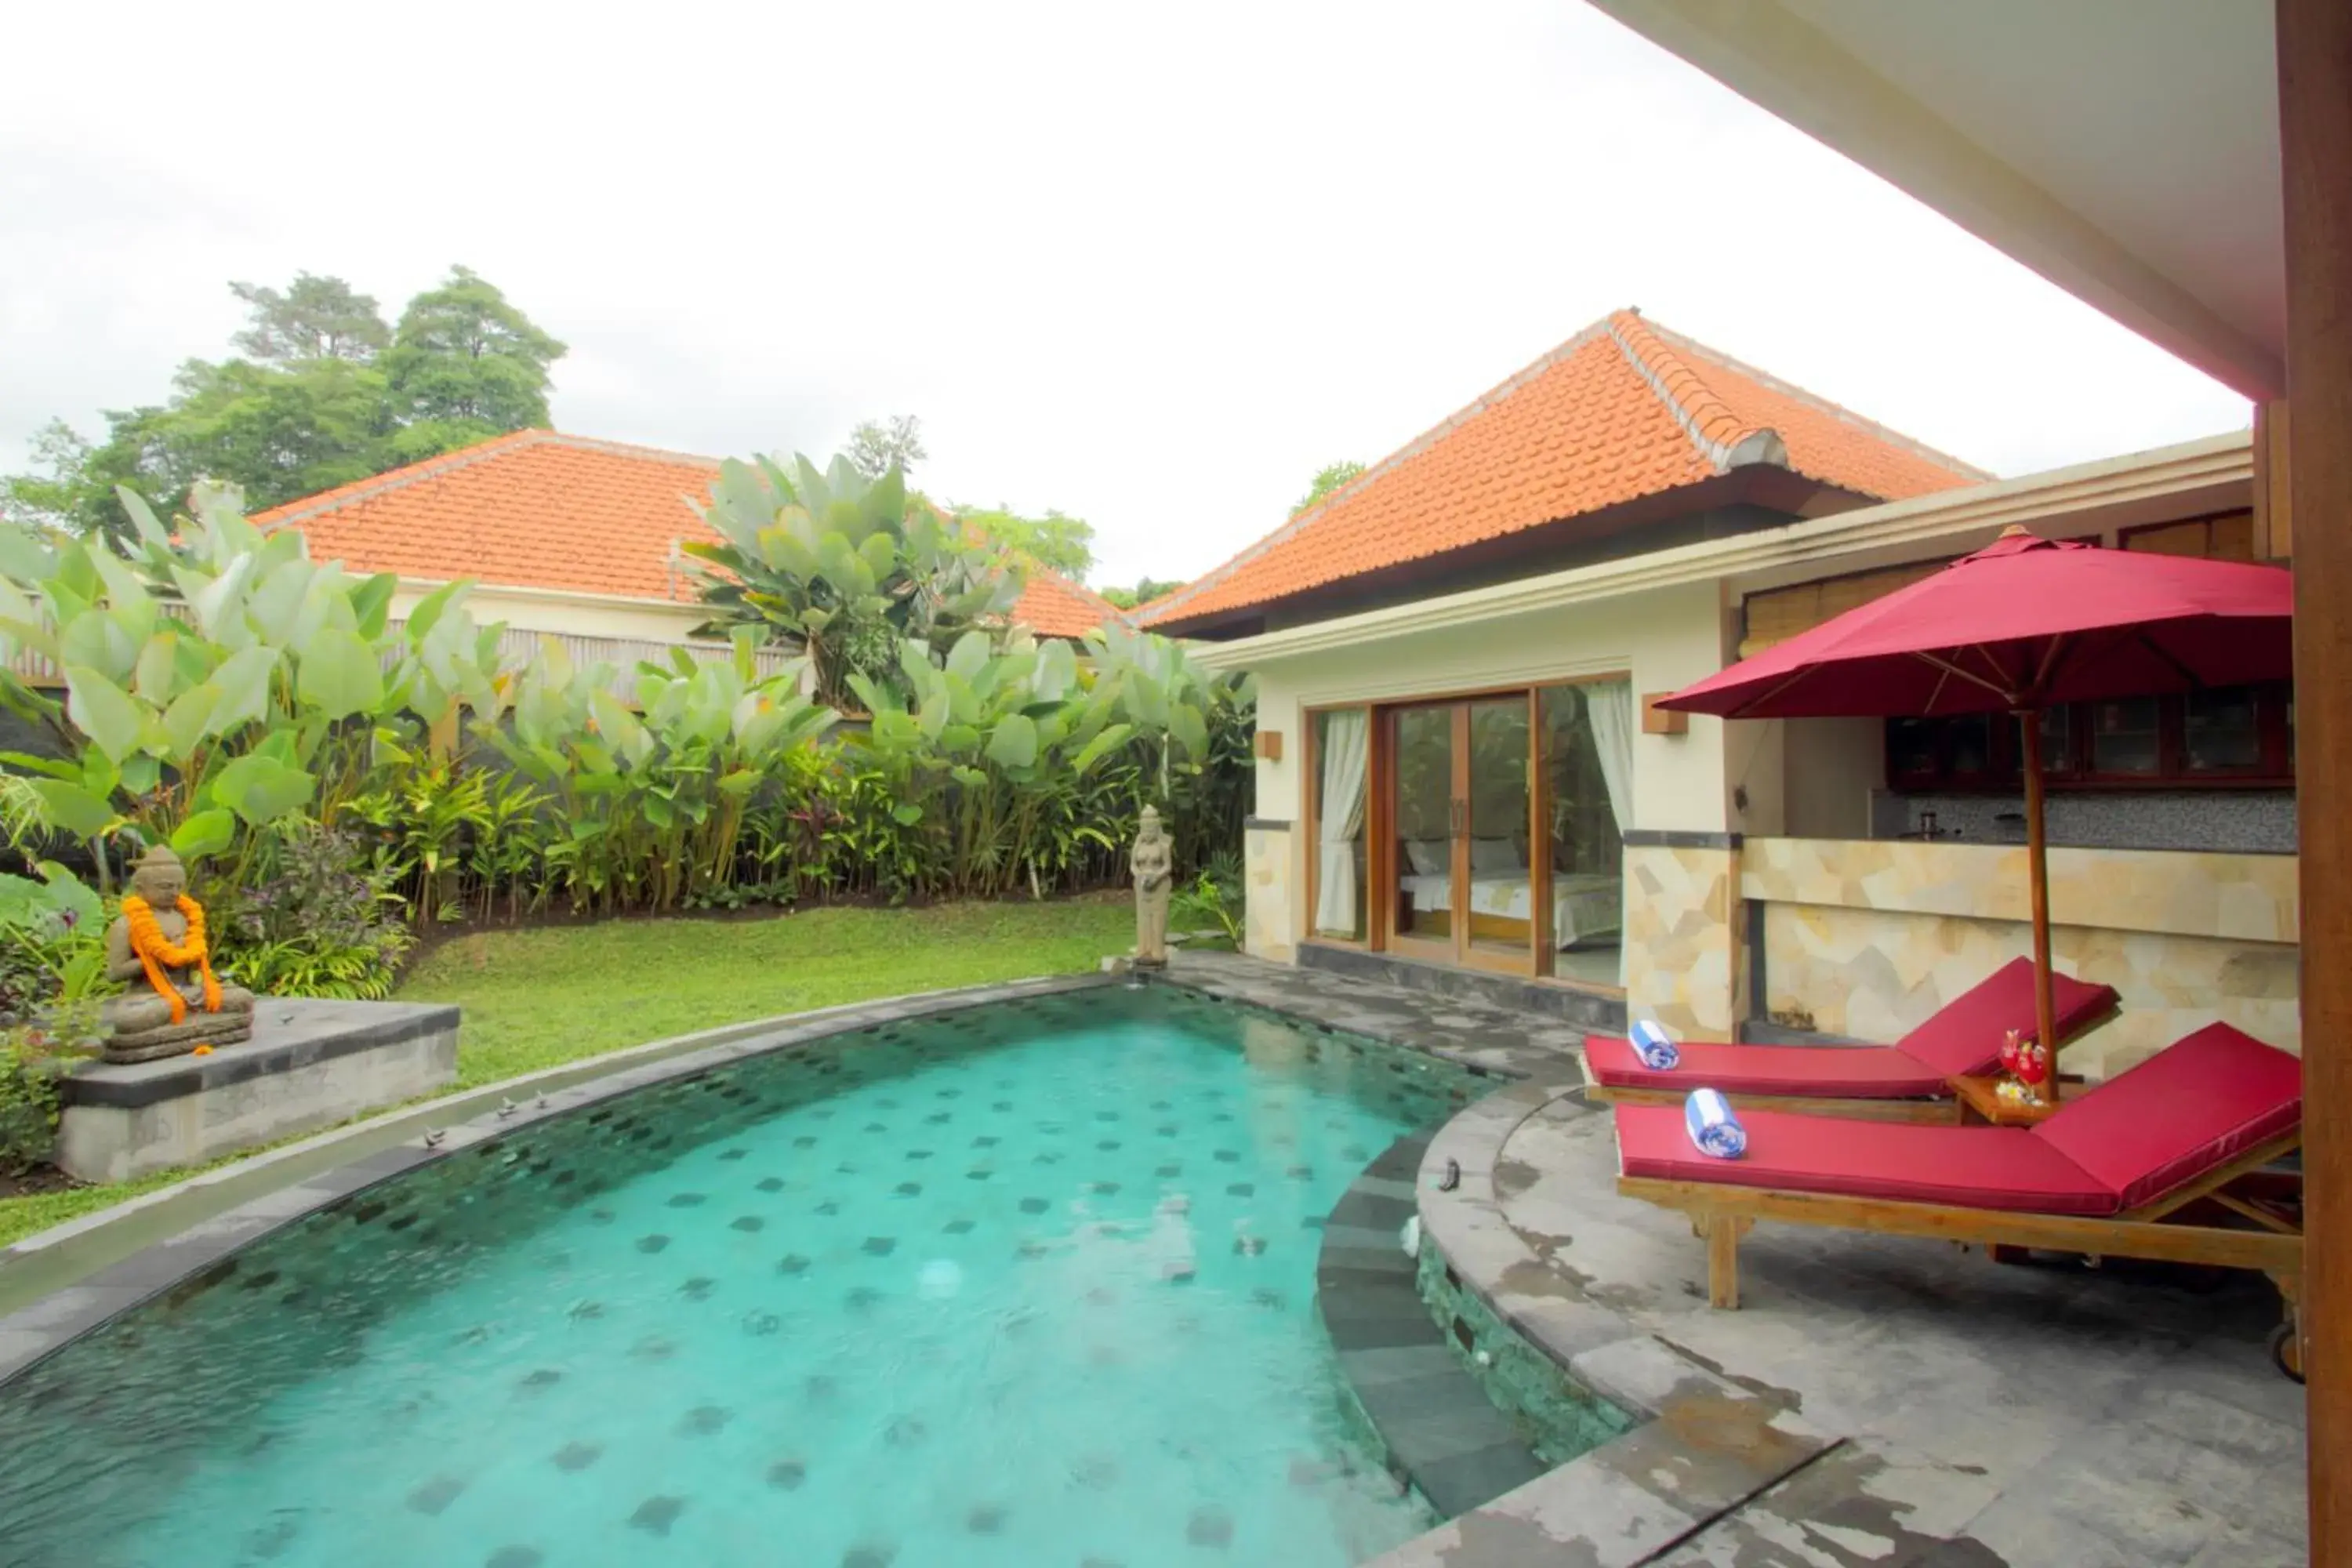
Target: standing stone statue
(158,947)
(1154,882)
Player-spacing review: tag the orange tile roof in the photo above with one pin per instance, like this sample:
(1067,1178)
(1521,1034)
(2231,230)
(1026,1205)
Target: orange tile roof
(1623,410)
(540,510)
(1054,606)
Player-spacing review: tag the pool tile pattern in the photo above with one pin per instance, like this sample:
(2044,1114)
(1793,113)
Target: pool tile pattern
(514,1159)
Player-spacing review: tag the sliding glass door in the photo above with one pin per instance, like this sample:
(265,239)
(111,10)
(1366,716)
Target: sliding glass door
(1461,818)
(1502,920)
(1423,811)
(1482,831)
(1587,735)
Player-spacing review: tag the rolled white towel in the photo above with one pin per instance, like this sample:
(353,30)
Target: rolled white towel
(1654,1046)
(1714,1129)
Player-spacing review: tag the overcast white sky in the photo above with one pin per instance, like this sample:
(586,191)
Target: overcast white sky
(1152,266)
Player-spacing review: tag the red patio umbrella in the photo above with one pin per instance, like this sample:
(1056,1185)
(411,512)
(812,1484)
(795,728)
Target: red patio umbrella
(2019,625)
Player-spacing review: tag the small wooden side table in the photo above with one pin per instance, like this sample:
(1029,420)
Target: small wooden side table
(1981,1105)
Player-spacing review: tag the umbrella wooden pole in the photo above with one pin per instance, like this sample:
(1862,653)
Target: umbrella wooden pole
(2037,874)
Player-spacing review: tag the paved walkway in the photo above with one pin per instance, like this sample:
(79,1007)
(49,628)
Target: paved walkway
(2028,1416)
(1946,1412)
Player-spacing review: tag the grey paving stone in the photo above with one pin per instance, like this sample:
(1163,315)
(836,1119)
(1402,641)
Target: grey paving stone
(1378,1332)
(1465,1480)
(1367,1368)
(1333,1276)
(1383,1297)
(1974,1401)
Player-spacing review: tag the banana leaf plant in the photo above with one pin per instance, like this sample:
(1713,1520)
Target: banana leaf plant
(993,745)
(218,680)
(648,805)
(843,569)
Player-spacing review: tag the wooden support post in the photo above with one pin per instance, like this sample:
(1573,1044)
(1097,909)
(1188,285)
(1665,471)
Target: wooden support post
(2274,507)
(2037,876)
(2315,60)
(1723,1233)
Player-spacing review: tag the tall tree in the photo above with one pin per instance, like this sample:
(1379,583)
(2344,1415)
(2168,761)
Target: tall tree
(1067,544)
(316,407)
(465,365)
(276,432)
(875,449)
(279,432)
(1327,479)
(61,492)
(316,318)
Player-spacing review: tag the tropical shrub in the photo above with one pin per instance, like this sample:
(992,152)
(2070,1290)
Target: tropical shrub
(218,681)
(328,923)
(1215,903)
(52,949)
(338,779)
(844,568)
(28,1102)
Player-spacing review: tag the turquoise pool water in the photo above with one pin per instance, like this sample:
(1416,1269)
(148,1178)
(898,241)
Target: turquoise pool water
(1030,1284)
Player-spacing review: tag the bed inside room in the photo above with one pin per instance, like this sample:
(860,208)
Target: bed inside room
(1502,845)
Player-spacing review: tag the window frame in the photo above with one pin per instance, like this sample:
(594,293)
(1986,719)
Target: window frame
(2073,770)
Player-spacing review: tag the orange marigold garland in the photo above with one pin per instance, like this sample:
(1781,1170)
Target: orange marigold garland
(156,954)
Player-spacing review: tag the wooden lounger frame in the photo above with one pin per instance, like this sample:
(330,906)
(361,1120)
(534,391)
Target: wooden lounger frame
(1944,1109)
(1722,1213)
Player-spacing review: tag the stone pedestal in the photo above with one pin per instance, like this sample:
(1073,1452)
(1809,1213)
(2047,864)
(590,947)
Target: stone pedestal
(308,1064)
(218,1030)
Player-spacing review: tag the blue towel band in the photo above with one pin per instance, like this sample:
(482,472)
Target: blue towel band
(1654,1045)
(1714,1129)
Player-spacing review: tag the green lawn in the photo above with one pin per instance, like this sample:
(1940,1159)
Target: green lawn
(540,998)
(534,999)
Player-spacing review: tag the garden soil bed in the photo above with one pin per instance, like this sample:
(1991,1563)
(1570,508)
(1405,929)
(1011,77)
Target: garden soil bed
(39,1180)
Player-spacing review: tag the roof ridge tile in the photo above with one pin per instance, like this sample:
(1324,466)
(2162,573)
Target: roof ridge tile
(303,508)
(1829,407)
(1704,415)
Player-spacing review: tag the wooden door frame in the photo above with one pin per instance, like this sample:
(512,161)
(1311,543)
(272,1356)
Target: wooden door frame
(1310,814)
(1386,717)
(1381,868)
(1522,964)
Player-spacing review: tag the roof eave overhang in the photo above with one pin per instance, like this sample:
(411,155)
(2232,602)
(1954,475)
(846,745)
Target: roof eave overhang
(2046,502)
(1783,63)
(1767,485)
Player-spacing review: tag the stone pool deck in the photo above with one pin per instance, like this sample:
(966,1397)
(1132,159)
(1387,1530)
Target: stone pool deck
(1890,1403)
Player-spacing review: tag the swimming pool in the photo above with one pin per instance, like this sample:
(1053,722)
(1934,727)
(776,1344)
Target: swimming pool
(1023,1284)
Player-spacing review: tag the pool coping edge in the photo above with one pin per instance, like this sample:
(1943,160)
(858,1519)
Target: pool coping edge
(1703,1445)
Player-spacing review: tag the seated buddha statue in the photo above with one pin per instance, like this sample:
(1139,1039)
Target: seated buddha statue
(157,946)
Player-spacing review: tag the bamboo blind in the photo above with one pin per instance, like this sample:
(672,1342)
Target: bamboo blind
(2229,537)
(1781,613)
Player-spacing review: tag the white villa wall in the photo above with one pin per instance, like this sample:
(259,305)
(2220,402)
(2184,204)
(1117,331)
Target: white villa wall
(1678,950)
(1666,639)
(1666,618)
(571,614)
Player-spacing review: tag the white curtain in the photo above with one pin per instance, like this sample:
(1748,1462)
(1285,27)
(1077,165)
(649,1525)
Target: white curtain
(1340,819)
(1609,706)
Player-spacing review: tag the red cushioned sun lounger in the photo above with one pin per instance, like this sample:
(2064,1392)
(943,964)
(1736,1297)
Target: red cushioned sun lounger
(1906,1082)
(2148,1164)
